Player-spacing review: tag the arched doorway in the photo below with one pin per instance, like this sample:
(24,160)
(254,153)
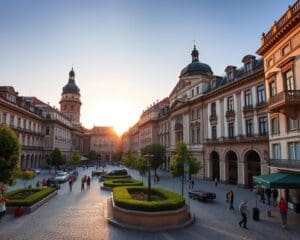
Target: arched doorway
(252,165)
(232,167)
(215,165)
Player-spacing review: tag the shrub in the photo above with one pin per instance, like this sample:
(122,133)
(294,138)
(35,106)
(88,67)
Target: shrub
(27,196)
(122,182)
(122,198)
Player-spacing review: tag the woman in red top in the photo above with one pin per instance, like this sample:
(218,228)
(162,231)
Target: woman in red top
(282,206)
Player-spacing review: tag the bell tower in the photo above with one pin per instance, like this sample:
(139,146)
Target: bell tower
(70,103)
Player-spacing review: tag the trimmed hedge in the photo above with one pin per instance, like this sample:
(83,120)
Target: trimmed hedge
(122,182)
(122,198)
(39,193)
(109,177)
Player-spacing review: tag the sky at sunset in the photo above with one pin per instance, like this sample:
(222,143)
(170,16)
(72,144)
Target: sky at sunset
(126,54)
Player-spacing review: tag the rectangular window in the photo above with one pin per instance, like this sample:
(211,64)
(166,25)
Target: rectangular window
(275,126)
(230,105)
(261,96)
(230,130)
(292,124)
(198,135)
(12,120)
(249,127)
(4,118)
(230,76)
(289,80)
(197,90)
(213,109)
(214,132)
(193,136)
(294,150)
(248,67)
(276,151)
(19,122)
(248,97)
(263,126)
(192,92)
(273,89)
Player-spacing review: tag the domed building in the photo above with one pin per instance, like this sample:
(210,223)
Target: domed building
(70,103)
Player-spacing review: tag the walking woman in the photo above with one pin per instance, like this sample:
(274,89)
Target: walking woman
(282,206)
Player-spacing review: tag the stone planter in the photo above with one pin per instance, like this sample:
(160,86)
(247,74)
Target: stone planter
(32,208)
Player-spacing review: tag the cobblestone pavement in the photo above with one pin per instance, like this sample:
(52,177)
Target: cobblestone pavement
(79,215)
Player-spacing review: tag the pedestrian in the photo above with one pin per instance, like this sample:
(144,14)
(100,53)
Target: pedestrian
(282,206)
(70,184)
(229,199)
(2,206)
(268,194)
(82,184)
(262,195)
(37,184)
(243,211)
(274,196)
(157,178)
(216,181)
(88,182)
(193,183)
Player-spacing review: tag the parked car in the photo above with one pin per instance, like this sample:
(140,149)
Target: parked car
(61,177)
(36,170)
(118,172)
(202,195)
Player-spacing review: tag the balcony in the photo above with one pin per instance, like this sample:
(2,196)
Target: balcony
(260,105)
(248,108)
(32,148)
(285,102)
(285,163)
(213,117)
(230,114)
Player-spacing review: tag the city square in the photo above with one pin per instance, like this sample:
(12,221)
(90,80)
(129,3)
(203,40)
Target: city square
(215,154)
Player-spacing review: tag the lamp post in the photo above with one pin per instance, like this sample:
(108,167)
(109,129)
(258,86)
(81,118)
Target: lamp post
(148,157)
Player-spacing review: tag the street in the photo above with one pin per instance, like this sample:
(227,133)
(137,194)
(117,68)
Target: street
(80,215)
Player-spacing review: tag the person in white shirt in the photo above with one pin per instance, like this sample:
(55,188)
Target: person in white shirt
(243,211)
(2,206)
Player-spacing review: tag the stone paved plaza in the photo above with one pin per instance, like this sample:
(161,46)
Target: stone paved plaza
(80,215)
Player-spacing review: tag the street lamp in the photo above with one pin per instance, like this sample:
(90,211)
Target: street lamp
(148,157)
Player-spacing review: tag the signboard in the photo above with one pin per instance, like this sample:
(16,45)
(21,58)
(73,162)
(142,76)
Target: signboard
(186,170)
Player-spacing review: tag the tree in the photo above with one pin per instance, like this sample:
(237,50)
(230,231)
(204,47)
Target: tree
(56,158)
(116,156)
(176,167)
(10,151)
(159,153)
(75,160)
(92,155)
(129,160)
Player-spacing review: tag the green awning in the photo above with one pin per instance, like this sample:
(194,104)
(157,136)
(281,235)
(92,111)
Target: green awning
(278,180)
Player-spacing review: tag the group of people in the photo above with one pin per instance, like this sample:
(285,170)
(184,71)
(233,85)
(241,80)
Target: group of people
(268,194)
(85,180)
(3,189)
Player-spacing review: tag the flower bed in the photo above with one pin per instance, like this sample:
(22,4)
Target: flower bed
(122,182)
(27,196)
(124,197)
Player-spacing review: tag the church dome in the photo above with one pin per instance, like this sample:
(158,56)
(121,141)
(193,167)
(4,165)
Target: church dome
(71,86)
(196,67)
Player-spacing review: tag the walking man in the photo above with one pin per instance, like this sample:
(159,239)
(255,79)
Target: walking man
(88,182)
(216,181)
(230,200)
(243,211)
(70,184)
(82,184)
(274,196)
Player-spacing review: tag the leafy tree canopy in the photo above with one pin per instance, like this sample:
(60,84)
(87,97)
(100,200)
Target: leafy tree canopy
(129,160)
(183,156)
(159,153)
(10,151)
(75,160)
(56,158)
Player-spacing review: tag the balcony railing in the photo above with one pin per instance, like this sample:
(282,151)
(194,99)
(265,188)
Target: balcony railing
(213,117)
(292,11)
(248,108)
(285,163)
(285,98)
(260,105)
(36,148)
(230,113)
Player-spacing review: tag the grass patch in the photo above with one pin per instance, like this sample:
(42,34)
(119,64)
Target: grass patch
(27,196)
(122,182)
(126,197)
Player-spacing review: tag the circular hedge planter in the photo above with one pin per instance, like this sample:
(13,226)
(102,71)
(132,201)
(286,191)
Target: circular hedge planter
(122,182)
(110,177)
(167,211)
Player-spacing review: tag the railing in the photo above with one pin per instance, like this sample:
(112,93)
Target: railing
(28,147)
(285,96)
(260,104)
(285,163)
(248,108)
(213,117)
(230,113)
(292,11)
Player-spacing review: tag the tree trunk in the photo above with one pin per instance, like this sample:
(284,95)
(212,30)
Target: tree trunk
(182,185)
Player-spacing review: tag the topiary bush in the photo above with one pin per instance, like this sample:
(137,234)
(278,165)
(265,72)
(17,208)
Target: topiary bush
(27,196)
(110,177)
(168,201)
(122,182)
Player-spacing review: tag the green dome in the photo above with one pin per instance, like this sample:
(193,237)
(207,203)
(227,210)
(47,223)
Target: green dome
(71,86)
(196,67)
